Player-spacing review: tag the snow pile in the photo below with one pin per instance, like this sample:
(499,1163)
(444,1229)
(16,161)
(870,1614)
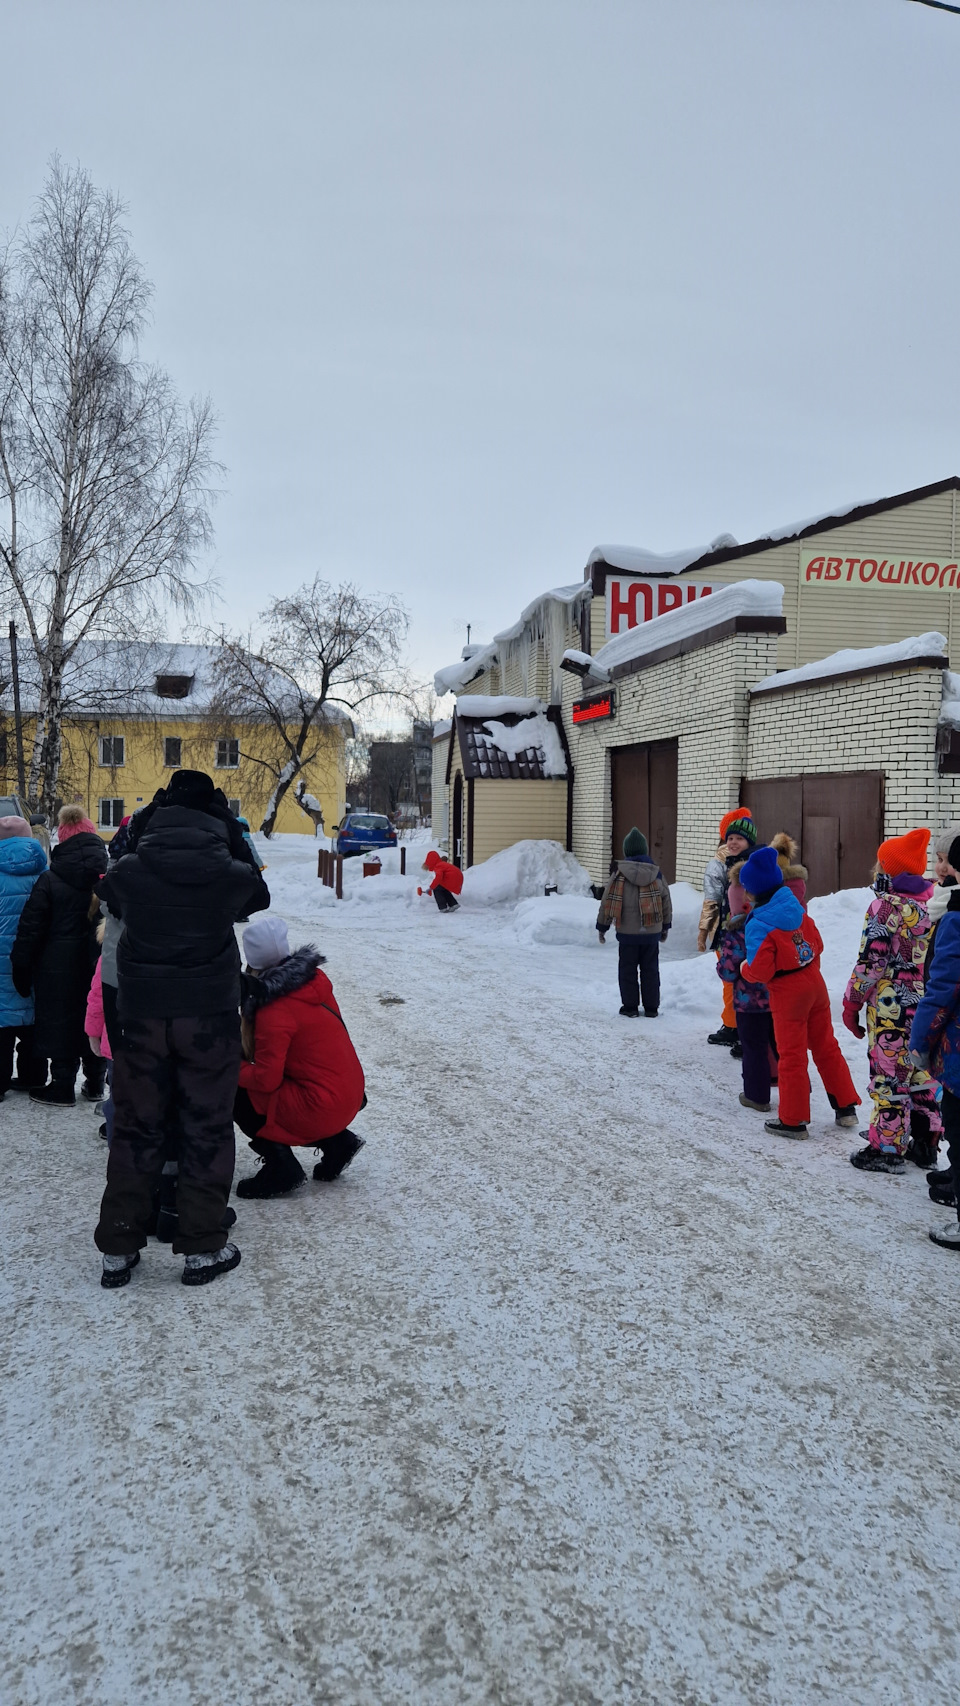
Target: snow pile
(556,921)
(532,734)
(854,659)
(497,705)
(521,871)
(742,598)
(681,943)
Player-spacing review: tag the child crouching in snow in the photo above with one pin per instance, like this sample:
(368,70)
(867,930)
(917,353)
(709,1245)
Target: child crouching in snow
(783,951)
(751,1003)
(447,882)
(888,981)
(301,1082)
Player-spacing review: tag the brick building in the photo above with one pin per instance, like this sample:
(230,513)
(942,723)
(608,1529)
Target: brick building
(711,693)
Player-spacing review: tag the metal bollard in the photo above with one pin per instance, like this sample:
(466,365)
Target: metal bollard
(403,861)
(339,885)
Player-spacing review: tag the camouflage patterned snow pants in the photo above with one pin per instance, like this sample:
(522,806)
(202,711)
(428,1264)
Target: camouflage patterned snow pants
(172,1074)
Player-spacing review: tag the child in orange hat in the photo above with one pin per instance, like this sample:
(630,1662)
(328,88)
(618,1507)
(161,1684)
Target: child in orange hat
(888,981)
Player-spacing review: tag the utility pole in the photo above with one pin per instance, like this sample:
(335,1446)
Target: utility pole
(17,718)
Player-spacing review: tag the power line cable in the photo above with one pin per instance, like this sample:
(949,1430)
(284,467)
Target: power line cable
(938,5)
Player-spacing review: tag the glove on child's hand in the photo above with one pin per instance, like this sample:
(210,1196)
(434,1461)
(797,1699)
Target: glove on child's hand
(851,1018)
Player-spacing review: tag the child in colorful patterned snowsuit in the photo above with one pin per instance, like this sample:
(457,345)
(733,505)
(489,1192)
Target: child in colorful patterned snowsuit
(751,1003)
(738,833)
(888,981)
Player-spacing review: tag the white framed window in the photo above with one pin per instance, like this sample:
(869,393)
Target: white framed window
(234,807)
(228,754)
(112,750)
(111,814)
(172,747)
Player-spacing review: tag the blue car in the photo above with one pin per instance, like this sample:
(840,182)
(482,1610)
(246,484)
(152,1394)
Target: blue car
(365,832)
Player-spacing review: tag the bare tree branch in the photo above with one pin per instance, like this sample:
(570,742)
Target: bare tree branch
(322,649)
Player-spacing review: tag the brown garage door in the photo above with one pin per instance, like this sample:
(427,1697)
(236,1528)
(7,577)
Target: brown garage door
(643,785)
(837,820)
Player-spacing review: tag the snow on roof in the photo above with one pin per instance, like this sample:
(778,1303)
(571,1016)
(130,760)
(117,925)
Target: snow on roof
(497,705)
(634,560)
(741,598)
(442,728)
(122,677)
(456,676)
(856,658)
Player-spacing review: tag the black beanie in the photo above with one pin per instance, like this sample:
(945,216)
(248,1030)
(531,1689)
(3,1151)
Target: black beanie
(191,788)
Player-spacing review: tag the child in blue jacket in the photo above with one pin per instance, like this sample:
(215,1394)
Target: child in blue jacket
(935,1033)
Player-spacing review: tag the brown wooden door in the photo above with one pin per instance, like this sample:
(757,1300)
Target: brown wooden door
(643,785)
(457,837)
(836,819)
(821,853)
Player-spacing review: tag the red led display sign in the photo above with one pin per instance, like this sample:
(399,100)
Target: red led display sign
(593,710)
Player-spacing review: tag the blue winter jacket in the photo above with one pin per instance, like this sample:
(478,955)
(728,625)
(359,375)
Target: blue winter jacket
(21,862)
(936,1024)
(782,912)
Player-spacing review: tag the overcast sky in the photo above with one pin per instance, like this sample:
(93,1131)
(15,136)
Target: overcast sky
(475,286)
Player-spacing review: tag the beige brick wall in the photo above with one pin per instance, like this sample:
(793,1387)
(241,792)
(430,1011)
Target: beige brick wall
(867,722)
(702,701)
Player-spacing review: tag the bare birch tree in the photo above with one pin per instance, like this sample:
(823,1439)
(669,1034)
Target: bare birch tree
(104,474)
(323,650)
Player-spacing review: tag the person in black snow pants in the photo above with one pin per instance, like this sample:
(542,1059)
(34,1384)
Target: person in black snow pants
(637,901)
(54,953)
(179,893)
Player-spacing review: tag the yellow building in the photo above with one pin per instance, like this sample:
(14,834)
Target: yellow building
(115,757)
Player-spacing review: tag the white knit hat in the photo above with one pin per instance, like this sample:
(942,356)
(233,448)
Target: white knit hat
(265,943)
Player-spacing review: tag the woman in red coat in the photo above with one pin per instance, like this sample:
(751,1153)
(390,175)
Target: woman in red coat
(301,1082)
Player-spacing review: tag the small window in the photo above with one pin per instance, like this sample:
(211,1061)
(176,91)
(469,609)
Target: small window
(174,686)
(228,754)
(171,752)
(112,750)
(235,807)
(111,814)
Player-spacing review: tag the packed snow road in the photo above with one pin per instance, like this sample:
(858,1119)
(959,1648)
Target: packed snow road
(576,1388)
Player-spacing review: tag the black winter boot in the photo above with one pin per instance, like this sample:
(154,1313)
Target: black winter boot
(200,1270)
(281,1171)
(55,1095)
(725,1037)
(338,1152)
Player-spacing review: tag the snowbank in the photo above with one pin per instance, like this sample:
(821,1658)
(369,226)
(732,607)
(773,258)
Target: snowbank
(556,921)
(742,598)
(856,658)
(522,871)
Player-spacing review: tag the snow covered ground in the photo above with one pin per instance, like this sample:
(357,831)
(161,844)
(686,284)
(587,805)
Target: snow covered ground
(578,1388)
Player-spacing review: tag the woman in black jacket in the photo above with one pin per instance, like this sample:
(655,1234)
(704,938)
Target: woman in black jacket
(55,952)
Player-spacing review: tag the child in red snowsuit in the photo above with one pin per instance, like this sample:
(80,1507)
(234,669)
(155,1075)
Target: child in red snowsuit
(783,951)
(447,882)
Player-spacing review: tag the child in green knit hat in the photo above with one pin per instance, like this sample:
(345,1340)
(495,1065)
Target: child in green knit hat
(637,902)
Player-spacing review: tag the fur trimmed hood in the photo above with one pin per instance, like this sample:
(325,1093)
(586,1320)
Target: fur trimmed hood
(291,975)
(788,858)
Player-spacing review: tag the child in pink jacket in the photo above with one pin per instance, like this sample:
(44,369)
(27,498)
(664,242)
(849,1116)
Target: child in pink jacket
(95,1026)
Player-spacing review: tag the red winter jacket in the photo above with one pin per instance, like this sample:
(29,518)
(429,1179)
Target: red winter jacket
(445,876)
(305,1075)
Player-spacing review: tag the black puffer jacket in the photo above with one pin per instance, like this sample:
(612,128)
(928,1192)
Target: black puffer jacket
(179,896)
(55,949)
